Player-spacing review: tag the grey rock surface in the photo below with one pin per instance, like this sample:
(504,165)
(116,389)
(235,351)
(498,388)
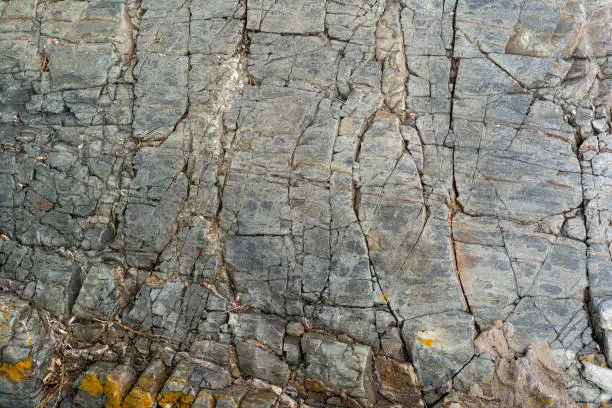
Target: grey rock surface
(27,350)
(305,203)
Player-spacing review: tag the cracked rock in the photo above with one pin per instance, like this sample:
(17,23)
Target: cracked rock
(322,203)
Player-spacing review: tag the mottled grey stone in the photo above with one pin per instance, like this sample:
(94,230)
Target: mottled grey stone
(157,111)
(341,366)
(541,319)
(58,282)
(287,16)
(248,186)
(488,280)
(439,346)
(100,294)
(212,351)
(259,363)
(269,330)
(355,322)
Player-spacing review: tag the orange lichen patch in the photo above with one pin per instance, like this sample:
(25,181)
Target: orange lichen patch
(113,397)
(169,399)
(118,383)
(547,401)
(178,380)
(186,401)
(427,342)
(92,385)
(18,371)
(112,390)
(426,337)
(175,399)
(383,297)
(139,399)
(143,395)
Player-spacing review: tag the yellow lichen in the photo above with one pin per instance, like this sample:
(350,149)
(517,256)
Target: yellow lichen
(92,385)
(139,399)
(175,399)
(427,342)
(112,390)
(186,401)
(425,337)
(18,371)
(169,399)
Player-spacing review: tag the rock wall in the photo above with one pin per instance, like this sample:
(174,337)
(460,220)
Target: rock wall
(264,203)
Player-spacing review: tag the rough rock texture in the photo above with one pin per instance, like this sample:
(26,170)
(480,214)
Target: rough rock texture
(264,203)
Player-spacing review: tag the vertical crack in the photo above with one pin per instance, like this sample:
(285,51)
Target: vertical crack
(453,204)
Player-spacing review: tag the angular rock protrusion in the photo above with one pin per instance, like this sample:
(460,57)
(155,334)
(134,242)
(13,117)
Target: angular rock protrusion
(104,385)
(398,382)
(601,310)
(26,352)
(439,346)
(186,380)
(100,295)
(345,368)
(258,362)
(150,382)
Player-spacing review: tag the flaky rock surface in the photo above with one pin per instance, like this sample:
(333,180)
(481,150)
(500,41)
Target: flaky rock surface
(305,203)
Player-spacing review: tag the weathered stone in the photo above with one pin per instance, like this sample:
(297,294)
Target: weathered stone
(189,377)
(91,388)
(541,319)
(27,349)
(441,340)
(259,399)
(488,280)
(287,16)
(267,193)
(150,382)
(118,382)
(230,397)
(601,376)
(340,366)
(100,294)
(602,313)
(398,382)
(58,283)
(260,363)
(268,330)
(105,385)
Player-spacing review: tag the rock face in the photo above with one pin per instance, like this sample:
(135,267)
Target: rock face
(27,350)
(262,203)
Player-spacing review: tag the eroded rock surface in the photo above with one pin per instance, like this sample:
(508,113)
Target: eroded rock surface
(263,203)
